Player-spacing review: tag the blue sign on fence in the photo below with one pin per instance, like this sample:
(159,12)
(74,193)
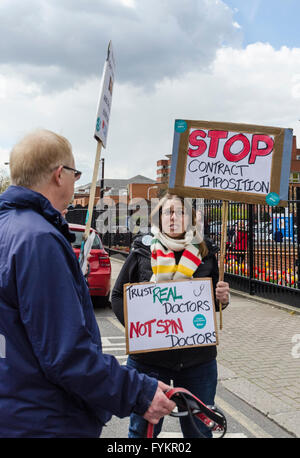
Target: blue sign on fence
(285,224)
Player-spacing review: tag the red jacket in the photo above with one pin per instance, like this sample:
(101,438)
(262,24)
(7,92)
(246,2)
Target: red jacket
(241,240)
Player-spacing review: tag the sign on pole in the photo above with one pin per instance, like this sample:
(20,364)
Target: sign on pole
(105,97)
(100,134)
(239,162)
(169,315)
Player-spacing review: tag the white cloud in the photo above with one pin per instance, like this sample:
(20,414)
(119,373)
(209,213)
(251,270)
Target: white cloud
(59,43)
(51,60)
(50,76)
(129,3)
(257,85)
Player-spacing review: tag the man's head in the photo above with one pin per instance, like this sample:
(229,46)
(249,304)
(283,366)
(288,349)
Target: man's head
(43,161)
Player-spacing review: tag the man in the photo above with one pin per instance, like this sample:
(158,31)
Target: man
(54,379)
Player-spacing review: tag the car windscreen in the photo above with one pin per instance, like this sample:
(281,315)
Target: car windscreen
(97,244)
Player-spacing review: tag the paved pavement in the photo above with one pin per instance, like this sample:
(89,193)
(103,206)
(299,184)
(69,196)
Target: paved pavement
(259,356)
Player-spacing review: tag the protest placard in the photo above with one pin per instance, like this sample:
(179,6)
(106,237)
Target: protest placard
(105,97)
(100,134)
(239,162)
(169,315)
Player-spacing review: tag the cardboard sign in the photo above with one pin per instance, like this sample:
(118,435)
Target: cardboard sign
(87,246)
(169,315)
(226,161)
(105,98)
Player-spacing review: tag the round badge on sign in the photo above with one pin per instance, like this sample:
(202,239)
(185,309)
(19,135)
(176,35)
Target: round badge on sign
(146,240)
(199,321)
(180,125)
(272,199)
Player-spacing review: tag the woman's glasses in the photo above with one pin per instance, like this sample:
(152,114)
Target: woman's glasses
(170,212)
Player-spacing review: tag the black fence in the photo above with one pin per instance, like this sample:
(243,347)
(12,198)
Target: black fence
(262,253)
(115,240)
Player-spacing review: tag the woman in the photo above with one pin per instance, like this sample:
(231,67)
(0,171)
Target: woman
(175,235)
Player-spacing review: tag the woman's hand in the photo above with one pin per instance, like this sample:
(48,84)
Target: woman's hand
(222,292)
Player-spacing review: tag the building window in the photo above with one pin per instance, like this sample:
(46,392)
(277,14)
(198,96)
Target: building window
(295,177)
(298,158)
(160,167)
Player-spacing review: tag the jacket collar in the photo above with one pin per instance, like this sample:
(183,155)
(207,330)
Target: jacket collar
(20,197)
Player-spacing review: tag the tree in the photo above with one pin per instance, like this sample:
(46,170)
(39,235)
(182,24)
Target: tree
(4,181)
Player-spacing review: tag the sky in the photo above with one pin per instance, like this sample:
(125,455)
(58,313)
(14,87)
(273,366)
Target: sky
(215,60)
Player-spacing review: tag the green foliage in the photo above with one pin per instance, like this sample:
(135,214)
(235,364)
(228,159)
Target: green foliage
(4,181)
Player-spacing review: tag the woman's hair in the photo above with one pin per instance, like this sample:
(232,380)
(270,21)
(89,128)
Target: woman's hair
(188,207)
(36,155)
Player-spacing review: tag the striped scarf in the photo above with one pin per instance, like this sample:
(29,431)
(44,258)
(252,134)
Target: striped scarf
(163,261)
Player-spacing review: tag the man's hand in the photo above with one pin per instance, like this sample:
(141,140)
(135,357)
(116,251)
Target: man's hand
(160,405)
(222,292)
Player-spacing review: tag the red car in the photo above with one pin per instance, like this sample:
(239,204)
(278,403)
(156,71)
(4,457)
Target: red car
(99,278)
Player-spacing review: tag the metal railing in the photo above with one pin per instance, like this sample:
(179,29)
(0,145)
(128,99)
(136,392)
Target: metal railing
(263,253)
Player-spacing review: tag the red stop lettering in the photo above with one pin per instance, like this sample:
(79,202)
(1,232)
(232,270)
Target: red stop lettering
(252,149)
(255,151)
(215,136)
(195,141)
(242,154)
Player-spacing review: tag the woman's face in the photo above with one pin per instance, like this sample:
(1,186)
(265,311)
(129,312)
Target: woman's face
(174,219)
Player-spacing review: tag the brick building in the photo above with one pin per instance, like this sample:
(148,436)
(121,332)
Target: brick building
(295,165)
(119,190)
(163,170)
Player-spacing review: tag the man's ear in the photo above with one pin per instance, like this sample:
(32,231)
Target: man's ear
(57,175)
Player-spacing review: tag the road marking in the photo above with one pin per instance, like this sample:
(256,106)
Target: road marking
(172,435)
(107,341)
(113,344)
(253,428)
(116,323)
(167,435)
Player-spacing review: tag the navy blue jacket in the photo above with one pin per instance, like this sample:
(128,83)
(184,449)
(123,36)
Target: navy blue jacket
(54,379)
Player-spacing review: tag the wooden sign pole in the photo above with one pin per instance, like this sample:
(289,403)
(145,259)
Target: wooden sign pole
(223,251)
(100,134)
(92,191)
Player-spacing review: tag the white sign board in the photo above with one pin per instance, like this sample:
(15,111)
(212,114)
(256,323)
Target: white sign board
(169,315)
(227,161)
(105,98)
(233,162)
